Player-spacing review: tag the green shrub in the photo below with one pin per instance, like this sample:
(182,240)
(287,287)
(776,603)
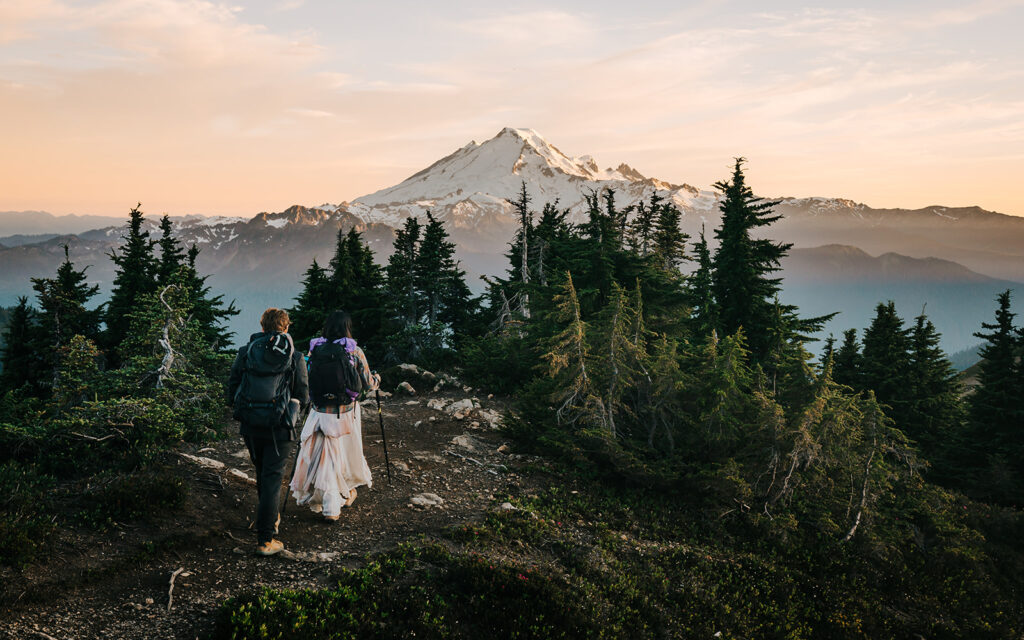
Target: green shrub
(418,592)
(123,497)
(26,519)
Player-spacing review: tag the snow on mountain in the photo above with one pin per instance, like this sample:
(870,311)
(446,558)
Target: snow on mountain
(470,186)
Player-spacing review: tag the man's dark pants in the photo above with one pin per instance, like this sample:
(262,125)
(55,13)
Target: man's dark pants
(270,462)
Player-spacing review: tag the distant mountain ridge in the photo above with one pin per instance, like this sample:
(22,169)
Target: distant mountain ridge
(936,250)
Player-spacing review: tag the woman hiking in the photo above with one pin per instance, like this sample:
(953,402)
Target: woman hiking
(331,465)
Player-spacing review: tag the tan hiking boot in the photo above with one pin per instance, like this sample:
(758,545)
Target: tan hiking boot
(269,548)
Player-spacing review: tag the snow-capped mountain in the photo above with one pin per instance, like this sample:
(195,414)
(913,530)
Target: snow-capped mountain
(470,187)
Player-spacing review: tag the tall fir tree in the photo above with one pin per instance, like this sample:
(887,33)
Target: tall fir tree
(172,256)
(401,274)
(846,363)
(744,288)
(935,414)
(365,298)
(63,302)
(642,228)
(885,362)
(441,285)
(668,239)
(342,266)
(569,360)
(208,311)
(311,306)
(997,404)
(699,285)
(63,313)
(20,358)
(135,276)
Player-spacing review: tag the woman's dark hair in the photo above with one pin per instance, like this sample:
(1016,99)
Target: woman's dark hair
(338,325)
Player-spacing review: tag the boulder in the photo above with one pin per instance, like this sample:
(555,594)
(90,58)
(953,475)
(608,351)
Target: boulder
(392,377)
(491,417)
(465,442)
(465,405)
(406,388)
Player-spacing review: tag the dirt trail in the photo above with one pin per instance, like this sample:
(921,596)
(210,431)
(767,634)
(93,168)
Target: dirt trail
(115,585)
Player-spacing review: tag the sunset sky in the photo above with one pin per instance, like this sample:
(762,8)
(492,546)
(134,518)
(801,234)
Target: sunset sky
(240,107)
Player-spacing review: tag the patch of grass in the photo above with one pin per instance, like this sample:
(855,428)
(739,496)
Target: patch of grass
(111,498)
(421,592)
(26,523)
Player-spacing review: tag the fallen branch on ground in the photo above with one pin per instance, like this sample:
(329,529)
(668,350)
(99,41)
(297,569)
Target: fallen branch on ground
(170,591)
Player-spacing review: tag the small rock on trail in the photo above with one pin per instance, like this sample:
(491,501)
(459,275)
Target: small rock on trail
(426,500)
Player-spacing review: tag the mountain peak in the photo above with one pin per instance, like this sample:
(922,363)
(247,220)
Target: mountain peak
(479,178)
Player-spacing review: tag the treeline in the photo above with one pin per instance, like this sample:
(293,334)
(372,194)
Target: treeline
(90,395)
(598,321)
(418,308)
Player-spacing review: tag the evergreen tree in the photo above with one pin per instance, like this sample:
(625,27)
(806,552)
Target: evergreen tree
(935,412)
(669,240)
(441,284)
(365,297)
(522,243)
(20,358)
(619,329)
(401,274)
(829,352)
(997,405)
(744,290)
(569,364)
(172,257)
(311,306)
(209,313)
(642,227)
(885,362)
(699,284)
(63,313)
(342,267)
(551,231)
(135,277)
(619,219)
(846,364)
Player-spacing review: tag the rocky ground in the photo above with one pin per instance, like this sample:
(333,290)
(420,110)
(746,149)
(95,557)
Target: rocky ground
(448,461)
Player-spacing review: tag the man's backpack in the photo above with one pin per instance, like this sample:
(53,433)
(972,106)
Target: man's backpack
(263,395)
(333,378)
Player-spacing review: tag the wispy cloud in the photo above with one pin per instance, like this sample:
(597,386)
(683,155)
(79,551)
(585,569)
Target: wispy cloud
(210,99)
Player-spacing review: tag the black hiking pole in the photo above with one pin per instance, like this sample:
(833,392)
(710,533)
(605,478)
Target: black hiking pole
(383,437)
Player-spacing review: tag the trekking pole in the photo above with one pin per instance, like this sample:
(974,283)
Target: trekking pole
(383,437)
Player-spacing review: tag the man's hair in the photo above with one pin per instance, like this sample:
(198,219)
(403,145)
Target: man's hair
(275,320)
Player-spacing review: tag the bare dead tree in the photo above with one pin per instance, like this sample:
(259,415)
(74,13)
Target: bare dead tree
(163,372)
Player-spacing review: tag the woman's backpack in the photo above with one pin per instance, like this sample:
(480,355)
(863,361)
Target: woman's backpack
(333,378)
(263,395)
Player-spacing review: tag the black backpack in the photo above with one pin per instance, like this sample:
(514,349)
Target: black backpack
(265,391)
(333,379)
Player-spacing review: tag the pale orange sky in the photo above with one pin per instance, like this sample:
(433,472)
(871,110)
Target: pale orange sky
(194,106)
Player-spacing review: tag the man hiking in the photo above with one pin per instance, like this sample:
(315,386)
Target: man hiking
(268,388)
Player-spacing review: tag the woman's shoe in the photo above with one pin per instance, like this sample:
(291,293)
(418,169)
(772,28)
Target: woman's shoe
(351,498)
(332,518)
(270,548)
